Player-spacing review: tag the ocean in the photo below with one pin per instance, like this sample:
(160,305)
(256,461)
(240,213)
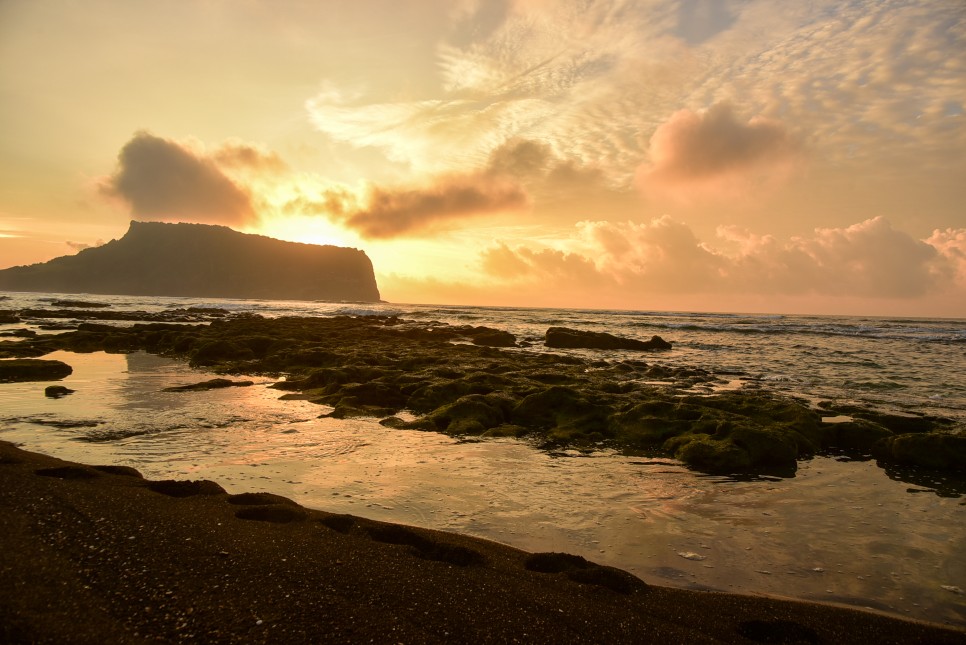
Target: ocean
(842,530)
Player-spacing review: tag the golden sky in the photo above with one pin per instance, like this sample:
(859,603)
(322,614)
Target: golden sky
(745,155)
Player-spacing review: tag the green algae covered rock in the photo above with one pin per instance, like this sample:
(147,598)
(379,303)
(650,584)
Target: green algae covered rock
(429,376)
(858,434)
(938,450)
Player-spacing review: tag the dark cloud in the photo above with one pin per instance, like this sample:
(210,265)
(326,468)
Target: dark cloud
(163,180)
(396,212)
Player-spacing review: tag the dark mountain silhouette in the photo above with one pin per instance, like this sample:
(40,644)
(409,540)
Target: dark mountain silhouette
(199,260)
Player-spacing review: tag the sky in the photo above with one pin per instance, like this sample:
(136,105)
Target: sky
(688,155)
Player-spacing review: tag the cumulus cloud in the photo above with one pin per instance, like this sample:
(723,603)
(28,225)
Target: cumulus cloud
(394,212)
(161,179)
(951,246)
(715,153)
(385,212)
(869,259)
(571,269)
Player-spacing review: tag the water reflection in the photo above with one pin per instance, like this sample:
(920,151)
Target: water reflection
(945,485)
(840,531)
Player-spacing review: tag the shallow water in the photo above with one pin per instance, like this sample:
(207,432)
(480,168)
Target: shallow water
(898,365)
(842,532)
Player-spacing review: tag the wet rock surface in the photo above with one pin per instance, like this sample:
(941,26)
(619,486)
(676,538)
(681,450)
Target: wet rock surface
(79,304)
(57,391)
(454,383)
(211,384)
(32,369)
(574,338)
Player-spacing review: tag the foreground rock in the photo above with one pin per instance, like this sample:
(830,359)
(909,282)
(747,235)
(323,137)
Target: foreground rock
(97,554)
(563,337)
(57,391)
(381,366)
(32,369)
(79,304)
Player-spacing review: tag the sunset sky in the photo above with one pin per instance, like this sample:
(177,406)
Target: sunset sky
(745,155)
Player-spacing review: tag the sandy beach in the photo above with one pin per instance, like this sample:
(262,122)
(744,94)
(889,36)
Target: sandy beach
(98,554)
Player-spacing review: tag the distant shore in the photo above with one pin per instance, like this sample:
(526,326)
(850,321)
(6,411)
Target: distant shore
(98,554)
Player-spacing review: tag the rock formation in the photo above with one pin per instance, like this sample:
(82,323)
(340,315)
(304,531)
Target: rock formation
(199,260)
(575,338)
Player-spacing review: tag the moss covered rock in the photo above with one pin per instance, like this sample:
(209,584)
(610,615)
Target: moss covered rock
(33,369)
(939,450)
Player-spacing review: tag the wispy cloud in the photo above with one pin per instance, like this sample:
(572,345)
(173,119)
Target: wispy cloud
(855,81)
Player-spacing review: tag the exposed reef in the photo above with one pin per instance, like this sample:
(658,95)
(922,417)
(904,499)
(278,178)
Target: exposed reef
(198,260)
(32,369)
(452,383)
(562,337)
(211,384)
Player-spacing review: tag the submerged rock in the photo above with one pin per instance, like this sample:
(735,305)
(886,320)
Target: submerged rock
(57,391)
(213,384)
(79,304)
(32,369)
(563,337)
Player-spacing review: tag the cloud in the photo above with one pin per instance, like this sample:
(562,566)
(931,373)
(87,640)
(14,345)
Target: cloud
(393,212)
(423,209)
(161,179)
(80,246)
(872,87)
(951,246)
(567,268)
(869,260)
(713,153)
(241,155)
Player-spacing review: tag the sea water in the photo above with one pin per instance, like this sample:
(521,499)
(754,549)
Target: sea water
(841,530)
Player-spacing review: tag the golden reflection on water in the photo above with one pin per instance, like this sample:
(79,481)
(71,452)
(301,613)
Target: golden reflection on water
(836,532)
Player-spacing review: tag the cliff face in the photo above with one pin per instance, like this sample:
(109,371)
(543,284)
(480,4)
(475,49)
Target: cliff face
(199,260)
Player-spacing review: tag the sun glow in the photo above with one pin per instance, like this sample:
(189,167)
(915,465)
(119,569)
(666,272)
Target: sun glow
(308,230)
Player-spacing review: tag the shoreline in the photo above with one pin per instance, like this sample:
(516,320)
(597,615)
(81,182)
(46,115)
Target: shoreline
(123,559)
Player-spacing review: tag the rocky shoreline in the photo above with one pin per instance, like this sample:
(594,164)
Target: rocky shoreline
(479,382)
(93,554)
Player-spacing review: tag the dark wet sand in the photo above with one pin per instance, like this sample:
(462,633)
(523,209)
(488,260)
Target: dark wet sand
(91,555)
